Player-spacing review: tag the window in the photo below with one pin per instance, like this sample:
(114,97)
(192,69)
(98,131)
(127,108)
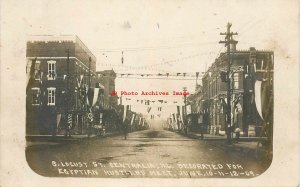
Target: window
(37,70)
(28,65)
(35,96)
(235,84)
(259,64)
(51,96)
(51,70)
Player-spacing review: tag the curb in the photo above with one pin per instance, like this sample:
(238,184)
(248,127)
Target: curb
(251,152)
(66,139)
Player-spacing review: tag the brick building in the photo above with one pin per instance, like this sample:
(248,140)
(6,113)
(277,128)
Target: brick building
(111,114)
(251,79)
(196,102)
(64,70)
(107,79)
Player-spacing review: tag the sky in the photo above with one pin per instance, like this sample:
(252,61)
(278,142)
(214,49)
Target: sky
(179,36)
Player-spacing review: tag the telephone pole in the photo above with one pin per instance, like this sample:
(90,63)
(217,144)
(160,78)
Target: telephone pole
(68,115)
(228,40)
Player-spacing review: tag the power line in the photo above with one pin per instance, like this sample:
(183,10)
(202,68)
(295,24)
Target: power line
(155,78)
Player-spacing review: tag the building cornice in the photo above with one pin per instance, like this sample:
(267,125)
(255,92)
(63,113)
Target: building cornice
(59,58)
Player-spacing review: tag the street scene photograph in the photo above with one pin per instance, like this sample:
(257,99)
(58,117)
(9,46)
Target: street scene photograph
(176,89)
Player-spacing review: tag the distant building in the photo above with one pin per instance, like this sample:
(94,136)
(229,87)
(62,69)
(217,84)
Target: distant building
(107,79)
(63,72)
(196,102)
(110,111)
(251,92)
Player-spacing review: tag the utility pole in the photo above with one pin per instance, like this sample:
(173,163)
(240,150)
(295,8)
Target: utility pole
(90,59)
(185,113)
(89,83)
(69,118)
(228,40)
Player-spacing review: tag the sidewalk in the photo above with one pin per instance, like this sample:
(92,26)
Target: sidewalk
(222,137)
(54,140)
(246,145)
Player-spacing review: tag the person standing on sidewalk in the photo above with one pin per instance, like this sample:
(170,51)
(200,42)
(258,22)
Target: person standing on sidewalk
(68,126)
(200,122)
(125,128)
(237,134)
(90,123)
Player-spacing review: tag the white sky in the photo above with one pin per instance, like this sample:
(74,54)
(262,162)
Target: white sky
(151,32)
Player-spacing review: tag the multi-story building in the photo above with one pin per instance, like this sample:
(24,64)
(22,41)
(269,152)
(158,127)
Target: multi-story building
(63,73)
(107,79)
(251,72)
(111,116)
(196,102)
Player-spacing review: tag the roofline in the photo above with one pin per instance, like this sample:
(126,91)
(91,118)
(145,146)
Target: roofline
(60,38)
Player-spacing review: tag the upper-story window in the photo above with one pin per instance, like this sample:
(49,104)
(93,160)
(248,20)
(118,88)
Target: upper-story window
(235,83)
(51,70)
(35,96)
(37,75)
(51,96)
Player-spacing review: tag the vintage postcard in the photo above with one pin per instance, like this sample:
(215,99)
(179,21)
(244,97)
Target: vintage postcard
(143,93)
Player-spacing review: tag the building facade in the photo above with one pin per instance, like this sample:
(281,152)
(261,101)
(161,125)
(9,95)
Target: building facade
(107,79)
(111,113)
(61,70)
(251,80)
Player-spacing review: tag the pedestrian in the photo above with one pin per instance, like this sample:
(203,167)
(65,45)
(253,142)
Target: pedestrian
(68,129)
(90,124)
(125,128)
(201,131)
(67,126)
(200,122)
(237,134)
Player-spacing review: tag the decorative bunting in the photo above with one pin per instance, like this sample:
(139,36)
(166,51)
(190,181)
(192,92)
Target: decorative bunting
(96,94)
(258,102)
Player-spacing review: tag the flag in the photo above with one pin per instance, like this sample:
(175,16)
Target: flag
(90,96)
(257,88)
(124,112)
(178,109)
(188,109)
(181,112)
(78,81)
(96,93)
(266,101)
(30,74)
(58,117)
(41,77)
(132,118)
(174,118)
